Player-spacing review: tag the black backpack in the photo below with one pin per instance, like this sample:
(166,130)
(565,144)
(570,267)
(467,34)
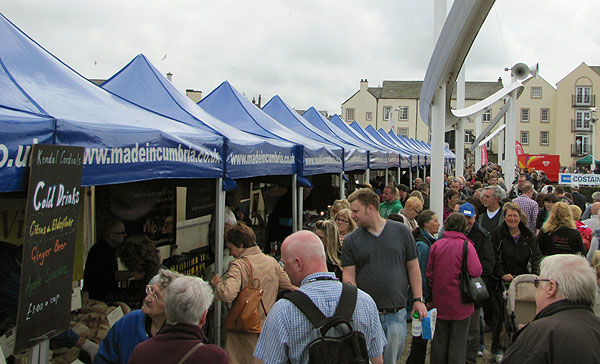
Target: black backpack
(334,340)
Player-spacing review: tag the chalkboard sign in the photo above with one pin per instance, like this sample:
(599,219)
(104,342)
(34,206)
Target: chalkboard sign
(53,200)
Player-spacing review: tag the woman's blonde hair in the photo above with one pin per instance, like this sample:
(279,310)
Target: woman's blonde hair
(575,211)
(596,263)
(332,238)
(560,216)
(337,206)
(414,203)
(418,195)
(347,214)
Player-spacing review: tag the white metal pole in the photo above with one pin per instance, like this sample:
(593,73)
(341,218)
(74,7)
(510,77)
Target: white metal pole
(501,148)
(510,138)
(294,203)
(438,113)
(478,127)
(300,208)
(219,246)
(342,186)
(367,175)
(459,140)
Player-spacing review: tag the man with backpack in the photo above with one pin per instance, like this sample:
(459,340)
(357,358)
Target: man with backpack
(289,335)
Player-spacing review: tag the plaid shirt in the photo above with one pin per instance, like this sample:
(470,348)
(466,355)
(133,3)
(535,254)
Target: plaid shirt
(530,208)
(286,332)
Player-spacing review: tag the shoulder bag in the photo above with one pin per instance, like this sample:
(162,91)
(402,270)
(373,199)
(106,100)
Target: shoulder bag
(243,315)
(472,290)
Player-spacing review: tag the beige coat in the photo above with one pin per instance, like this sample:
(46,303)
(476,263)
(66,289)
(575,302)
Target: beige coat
(240,346)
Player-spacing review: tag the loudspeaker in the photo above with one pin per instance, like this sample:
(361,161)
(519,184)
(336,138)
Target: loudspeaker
(520,71)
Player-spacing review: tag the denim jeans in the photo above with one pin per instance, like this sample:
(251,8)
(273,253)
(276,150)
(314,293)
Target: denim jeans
(394,328)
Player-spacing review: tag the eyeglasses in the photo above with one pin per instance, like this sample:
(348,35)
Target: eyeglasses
(150,290)
(341,220)
(536,281)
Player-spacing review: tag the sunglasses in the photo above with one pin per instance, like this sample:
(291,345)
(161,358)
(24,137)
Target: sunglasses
(150,290)
(536,281)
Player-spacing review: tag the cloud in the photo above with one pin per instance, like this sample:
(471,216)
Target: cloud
(311,53)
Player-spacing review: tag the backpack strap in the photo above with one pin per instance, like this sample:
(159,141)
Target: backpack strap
(307,306)
(190,352)
(347,303)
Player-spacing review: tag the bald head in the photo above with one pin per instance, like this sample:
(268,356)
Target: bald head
(302,254)
(595,208)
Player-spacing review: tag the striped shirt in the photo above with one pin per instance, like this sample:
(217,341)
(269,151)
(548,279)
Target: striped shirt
(286,332)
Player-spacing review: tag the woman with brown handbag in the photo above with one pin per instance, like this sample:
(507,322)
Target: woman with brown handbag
(268,277)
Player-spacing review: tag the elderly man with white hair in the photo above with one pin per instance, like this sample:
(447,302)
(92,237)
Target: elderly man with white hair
(565,329)
(186,301)
(588,210)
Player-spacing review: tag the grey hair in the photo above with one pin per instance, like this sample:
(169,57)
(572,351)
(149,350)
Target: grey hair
(166,277)
(499,193)
(596,196)
(575,279)
(187,299)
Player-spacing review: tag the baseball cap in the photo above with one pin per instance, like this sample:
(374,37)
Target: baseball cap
(467,209)
(575,186)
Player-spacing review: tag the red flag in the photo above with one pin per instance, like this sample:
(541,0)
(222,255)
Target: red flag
(519,149)
(484,156)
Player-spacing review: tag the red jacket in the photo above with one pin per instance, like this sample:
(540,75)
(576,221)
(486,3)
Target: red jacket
(443,268)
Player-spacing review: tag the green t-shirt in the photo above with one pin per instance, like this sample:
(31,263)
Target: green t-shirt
(388,208)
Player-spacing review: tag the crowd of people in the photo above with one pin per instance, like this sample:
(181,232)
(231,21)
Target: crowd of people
(404,260)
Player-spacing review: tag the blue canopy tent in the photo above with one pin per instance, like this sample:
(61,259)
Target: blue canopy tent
(25,129)
(404,156)
(415,154)
(389,154)
(312,157)
(393,156)
(123,142)
(408,155)
(141,83)
(377,158)
(354,158)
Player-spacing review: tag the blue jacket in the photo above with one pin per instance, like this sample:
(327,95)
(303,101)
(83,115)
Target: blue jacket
(122,338)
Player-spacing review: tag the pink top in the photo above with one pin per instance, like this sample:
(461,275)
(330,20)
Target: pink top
(443,269)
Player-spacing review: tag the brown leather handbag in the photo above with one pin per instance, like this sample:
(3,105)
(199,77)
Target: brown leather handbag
(243,315)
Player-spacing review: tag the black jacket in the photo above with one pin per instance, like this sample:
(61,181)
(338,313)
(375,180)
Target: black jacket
(485,250)
(513,258)
(563,332)
(563,240)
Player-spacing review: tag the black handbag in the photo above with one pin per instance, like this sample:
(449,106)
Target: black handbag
(472,290)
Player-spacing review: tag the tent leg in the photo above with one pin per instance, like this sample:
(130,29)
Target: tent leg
(294,204)
(219,247)
(342,186)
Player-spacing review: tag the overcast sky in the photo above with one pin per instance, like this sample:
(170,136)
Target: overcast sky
(310,52)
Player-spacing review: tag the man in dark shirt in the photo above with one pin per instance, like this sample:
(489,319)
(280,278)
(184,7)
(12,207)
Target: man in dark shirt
(578,198)
(492,216)
(99,276)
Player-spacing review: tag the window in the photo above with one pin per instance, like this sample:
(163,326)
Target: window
(350,115)
(387,111)
(536,92)
(582,144)
(583,95)
(544,137)
(525,137)
(487,116)
(403,132)
(582,119)
(403,113)
(469,137)
(369,116)
(524,115)
(545,115)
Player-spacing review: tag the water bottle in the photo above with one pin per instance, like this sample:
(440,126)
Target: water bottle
(417,329)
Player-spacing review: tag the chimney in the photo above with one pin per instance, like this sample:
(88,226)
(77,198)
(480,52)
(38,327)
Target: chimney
(195,95)
(170,76)
(364,84)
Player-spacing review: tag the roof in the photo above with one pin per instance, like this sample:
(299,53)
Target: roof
(474,90)
(596,69)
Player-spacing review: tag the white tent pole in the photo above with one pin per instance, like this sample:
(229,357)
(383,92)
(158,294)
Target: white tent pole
(294,203)
(219,247)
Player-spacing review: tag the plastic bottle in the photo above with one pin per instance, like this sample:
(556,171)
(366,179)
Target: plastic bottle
(416,325)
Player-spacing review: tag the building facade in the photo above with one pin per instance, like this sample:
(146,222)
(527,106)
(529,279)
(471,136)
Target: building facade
(550,120)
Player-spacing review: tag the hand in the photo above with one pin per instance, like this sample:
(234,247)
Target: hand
(216,280)
(420,308)
(508,277)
